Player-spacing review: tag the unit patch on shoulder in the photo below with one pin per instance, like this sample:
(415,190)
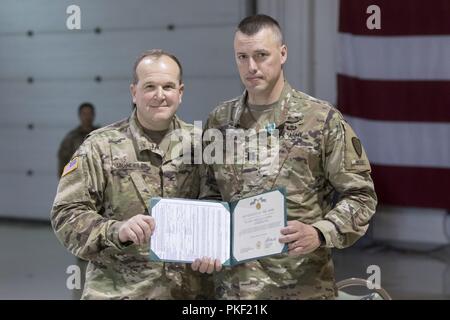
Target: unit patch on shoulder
(357,146)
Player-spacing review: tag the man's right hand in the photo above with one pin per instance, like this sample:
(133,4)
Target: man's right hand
(137,229)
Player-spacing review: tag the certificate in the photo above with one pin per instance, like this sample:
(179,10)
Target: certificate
(233,232)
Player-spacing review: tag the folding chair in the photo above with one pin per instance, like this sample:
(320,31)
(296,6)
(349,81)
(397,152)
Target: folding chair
(377,294)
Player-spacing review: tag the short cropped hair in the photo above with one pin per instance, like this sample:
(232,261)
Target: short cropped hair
(253,24)
(156,54)
(86,105)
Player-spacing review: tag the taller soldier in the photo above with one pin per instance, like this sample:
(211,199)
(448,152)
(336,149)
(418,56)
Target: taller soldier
(321,164)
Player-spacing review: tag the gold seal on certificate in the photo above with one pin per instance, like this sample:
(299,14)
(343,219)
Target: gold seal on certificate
(234,232)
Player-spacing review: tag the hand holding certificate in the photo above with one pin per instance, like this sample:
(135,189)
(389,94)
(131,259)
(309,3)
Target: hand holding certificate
(231,232)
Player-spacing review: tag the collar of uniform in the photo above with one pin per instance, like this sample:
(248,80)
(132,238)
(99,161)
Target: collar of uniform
(239,109)
(81,131)
(145,143)
(167,143)
(280,110)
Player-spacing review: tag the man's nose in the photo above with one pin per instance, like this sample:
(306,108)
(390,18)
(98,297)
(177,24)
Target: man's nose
(252,67)
(159,94)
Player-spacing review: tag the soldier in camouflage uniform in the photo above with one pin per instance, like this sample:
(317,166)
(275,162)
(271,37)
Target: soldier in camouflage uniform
(75,137)
(71,142)
(321,164)
(100,212)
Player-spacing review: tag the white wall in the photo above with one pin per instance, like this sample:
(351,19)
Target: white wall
(64,64)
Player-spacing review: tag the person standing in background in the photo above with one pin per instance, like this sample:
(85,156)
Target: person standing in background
(74,139)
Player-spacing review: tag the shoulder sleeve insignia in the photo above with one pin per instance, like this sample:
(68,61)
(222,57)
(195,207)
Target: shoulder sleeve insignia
(71,166)
(357,146)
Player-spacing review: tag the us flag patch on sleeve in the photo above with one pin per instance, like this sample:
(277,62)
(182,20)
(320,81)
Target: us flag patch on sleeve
(71,166)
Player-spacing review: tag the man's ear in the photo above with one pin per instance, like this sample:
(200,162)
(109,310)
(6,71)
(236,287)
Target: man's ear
(133,92)
(283,53)
(181,90)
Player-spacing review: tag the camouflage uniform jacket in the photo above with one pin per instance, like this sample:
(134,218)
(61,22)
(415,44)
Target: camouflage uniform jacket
(111,178)
(326,174)
(71,142)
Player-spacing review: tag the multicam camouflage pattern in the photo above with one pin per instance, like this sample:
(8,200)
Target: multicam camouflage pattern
(118,170)
(69,145)
(328,185)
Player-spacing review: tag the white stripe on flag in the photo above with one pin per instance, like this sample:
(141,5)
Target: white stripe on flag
(394,58)
(415,144)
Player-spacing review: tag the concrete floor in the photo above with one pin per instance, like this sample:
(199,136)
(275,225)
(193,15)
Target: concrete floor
(33,265)
(405,274)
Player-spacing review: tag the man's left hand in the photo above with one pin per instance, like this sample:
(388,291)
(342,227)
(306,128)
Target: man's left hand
(300,237)
(206,265)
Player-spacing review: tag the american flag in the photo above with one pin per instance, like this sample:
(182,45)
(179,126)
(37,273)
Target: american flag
(394,88)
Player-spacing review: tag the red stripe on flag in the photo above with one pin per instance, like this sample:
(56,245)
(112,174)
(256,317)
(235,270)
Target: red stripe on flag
(412,186)
(424,101)
(407,17)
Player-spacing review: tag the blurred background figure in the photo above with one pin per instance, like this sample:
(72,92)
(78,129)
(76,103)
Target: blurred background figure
(71,142)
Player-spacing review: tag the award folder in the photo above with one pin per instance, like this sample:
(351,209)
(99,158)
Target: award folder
(233,232)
